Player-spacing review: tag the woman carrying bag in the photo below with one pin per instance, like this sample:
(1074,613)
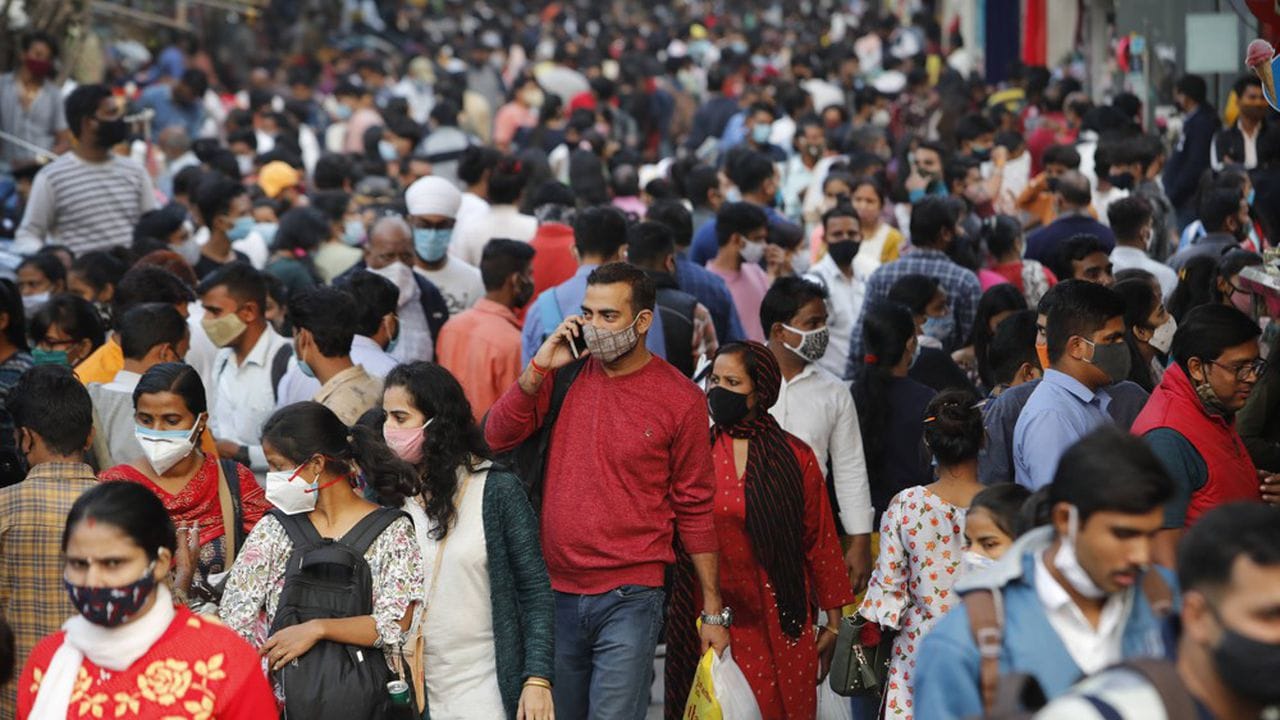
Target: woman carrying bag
(487,648)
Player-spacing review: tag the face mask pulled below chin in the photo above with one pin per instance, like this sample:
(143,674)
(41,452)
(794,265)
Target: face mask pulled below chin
(813,343)
(1068,563)
(609,345)
(112,606)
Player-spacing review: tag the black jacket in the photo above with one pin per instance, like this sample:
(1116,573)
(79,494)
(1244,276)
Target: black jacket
(1190,158)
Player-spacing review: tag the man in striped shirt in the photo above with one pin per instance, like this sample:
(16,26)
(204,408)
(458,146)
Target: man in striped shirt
(89,198)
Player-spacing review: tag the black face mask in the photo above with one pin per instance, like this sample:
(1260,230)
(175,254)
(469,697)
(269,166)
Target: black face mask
(1249,667)
(1123,181)
(843,252)
(727,407)
(111,133)
(525,294)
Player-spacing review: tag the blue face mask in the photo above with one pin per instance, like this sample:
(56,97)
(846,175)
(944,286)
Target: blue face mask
(306,369)
(387,151)
(760,134)
(1249,198)
(241,229)
(431,245)
(268,232)
(940,328)
(353,232)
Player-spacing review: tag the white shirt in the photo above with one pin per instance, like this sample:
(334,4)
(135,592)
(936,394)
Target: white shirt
(459,283)
(296,387)
(202,351)
(817,407)
(844,305)
(503,221)
(1125,258)
(1092,648)
(1103,200)
(243,398)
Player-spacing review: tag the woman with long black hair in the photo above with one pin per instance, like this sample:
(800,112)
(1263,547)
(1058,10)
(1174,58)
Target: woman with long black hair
(488,645)
(891,405)
(315,460)
(778,547)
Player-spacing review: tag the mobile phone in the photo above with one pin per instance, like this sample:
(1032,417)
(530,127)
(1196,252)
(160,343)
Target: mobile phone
(579,344)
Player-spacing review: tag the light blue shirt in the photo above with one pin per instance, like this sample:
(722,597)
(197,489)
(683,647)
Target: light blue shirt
(1060,412)
(563,300)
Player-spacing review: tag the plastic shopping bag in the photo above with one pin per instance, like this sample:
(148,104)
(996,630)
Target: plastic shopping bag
(720,691)
(832,706)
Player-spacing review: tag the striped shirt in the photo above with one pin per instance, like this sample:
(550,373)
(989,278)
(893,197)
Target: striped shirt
(32,514)
(85,206)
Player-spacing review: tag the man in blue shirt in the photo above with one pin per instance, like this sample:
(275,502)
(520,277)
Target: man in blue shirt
(1074,198)
(600,236)
(1068,599)
(696,280)
(178,104)
(757,180)
(1087,352)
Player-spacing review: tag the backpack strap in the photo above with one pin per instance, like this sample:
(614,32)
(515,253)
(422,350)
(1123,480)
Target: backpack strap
(560,390)
(279,365)
(1163,676)
(365,532)
(1158,593)
(301,532)
(229,472)
(986,622)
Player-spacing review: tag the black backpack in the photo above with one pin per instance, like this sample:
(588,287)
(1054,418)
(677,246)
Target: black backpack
(328,578)
(528,460)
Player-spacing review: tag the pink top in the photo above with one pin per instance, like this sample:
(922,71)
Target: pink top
(510,118)
(990,279)
(747,286)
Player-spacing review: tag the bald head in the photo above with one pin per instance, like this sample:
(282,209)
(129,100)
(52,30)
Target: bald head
(173,141)
(391,239)
(1074,189)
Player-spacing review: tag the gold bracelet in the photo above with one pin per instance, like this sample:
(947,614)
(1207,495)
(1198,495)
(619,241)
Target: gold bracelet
(538,682)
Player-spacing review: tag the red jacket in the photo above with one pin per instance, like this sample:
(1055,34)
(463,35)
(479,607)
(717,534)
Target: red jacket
(1232,475)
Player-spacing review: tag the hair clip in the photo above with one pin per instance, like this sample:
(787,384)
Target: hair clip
(930,419)
(870,359)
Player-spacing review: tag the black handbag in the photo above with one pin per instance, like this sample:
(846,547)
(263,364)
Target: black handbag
(858,669)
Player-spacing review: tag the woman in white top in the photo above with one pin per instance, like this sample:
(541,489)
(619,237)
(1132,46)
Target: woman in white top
(488,646)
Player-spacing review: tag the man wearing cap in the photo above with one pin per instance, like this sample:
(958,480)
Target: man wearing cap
(281,182)
(433,204)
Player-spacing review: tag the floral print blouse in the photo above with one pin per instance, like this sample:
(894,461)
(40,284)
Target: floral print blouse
(257,577)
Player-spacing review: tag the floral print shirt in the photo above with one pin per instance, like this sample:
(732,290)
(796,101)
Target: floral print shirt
(921,547)
(257,577)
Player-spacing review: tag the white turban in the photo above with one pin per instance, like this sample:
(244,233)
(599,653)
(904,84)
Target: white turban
(433,196)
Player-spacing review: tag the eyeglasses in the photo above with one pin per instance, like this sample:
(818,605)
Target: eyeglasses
(1243,370)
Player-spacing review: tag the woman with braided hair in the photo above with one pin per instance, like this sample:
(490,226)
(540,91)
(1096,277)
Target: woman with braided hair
(778,547)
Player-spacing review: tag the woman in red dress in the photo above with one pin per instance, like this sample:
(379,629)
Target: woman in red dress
(130,653)
(778,548)
(170,412)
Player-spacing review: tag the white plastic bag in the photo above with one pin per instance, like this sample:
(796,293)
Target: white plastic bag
(831,706)
(720,691)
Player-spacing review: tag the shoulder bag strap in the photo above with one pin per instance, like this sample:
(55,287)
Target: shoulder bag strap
(1163,676)
(229,516)
(983,607)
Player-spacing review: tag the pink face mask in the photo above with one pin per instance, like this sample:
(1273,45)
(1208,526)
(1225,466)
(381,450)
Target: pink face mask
(406,442)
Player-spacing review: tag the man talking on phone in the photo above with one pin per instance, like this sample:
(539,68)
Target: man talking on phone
(628,455)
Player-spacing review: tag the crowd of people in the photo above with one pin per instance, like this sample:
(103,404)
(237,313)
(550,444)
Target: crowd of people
(489,357)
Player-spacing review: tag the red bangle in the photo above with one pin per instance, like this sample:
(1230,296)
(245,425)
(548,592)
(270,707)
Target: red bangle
(533,365)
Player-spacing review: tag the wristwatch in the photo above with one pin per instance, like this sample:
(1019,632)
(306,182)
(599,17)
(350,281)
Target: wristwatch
(724,618)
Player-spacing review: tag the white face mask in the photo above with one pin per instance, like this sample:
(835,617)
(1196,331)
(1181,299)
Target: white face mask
(30,303)
(1162,338)
(1068,564)
(973,561)
(290,493)
(189,250)
(752,251)
(402,275)
(165,448)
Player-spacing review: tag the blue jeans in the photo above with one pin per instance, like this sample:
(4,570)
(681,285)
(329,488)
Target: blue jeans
(604,653)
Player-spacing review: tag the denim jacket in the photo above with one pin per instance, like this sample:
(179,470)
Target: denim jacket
(947,668)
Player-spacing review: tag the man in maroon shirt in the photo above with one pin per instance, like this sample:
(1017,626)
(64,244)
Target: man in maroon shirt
(629,463)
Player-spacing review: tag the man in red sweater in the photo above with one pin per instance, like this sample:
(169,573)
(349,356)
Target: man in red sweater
(629,463)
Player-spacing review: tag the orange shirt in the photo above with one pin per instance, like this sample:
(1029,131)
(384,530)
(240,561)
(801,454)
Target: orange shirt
(481,347)
(102,364)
